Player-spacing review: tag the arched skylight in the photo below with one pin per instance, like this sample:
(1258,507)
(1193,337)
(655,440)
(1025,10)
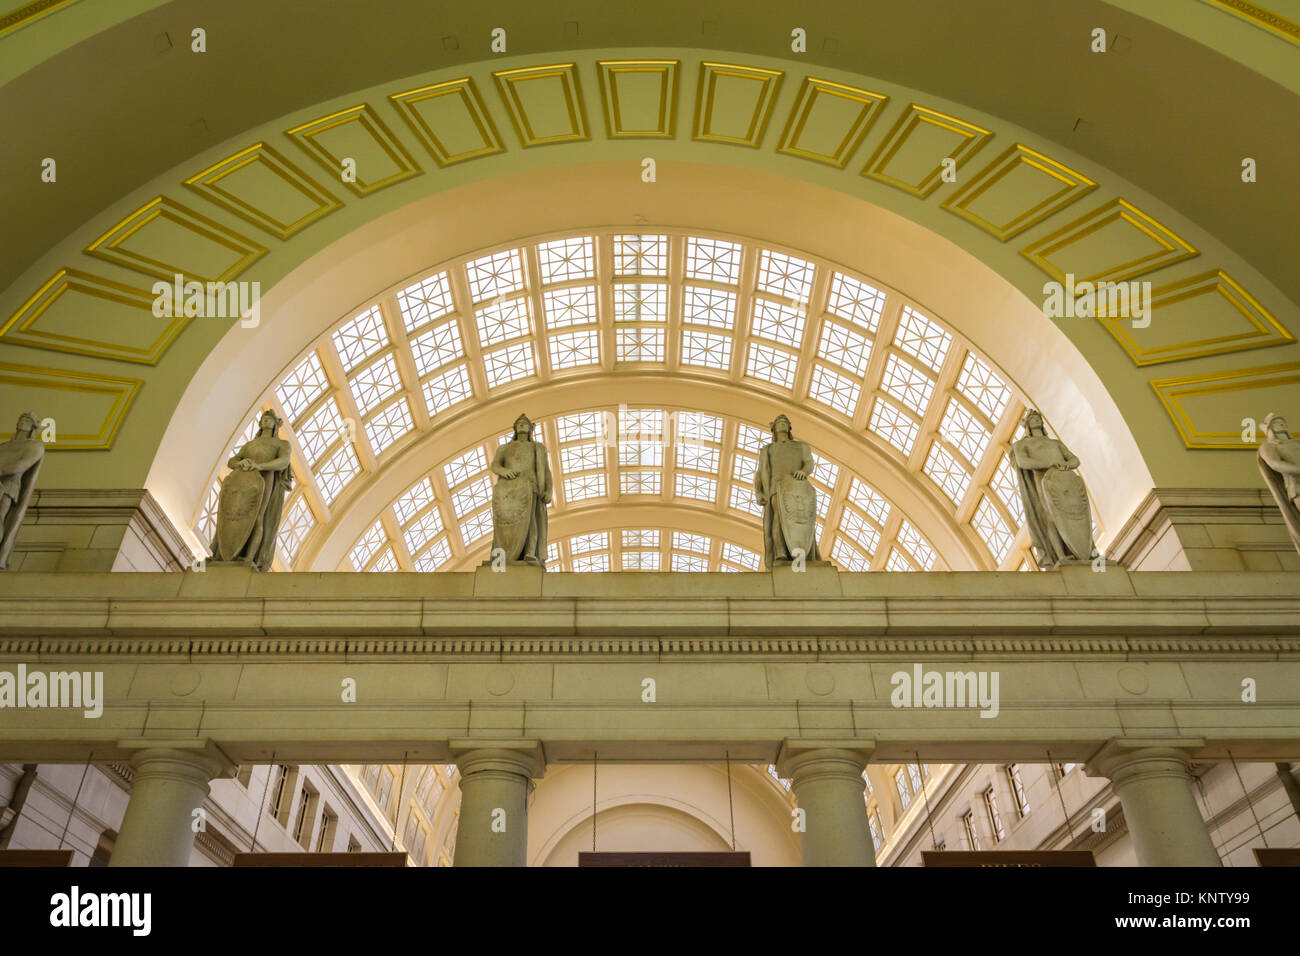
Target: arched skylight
(608,303)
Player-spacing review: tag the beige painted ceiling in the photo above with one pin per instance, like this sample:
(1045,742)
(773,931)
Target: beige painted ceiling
(1166,112)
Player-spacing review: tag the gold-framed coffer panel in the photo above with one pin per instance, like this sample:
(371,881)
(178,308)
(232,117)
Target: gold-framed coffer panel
(451,121)
(1226,410)
(912,155)
(356,146)
(734,103)
(639,98)
(1019,189)
(544,103)
(87,409)
(1115,241)
(829,121)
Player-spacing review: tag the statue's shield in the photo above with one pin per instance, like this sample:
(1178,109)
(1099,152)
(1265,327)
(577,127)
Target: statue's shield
(1068,502)
(237,509)
(512,513)
(796,503)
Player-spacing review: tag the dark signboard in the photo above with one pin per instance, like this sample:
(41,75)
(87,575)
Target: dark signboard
(35,858)
(319,859)
(663,859)
(1268,856)
(1007,858)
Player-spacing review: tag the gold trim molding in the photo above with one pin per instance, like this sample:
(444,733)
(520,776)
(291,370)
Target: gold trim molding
(611,70)
(1074,186)
(1172,391)
(123,391)
(21,329)
(1274,23)
(306,135)
(812,89)
(468,95)
(207,185)
(30,13)
(706,95)
(509,84)
(973,139)
(1173,247)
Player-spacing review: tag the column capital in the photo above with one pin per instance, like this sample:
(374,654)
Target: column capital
(1126,758)
(527,758)
(182,757)
(801,756)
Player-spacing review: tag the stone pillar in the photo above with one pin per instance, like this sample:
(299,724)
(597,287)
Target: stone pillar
(169,785)
(495,781)
(1154,783)
(827,781)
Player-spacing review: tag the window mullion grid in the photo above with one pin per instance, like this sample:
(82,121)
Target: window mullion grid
(889,539)
(676,297)
(405,560)
(1003,433)
(668,456)
(396,329)
(533,294)
(442,501)
(333,366)
(613,490)
(304,478)
(890,316)
(605,301)
(744,307)
(464,314)
(818,297)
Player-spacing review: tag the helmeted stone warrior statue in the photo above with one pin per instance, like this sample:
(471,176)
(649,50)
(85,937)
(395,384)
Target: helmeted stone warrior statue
(1054,496)
(789,500)
(251,500)
(20,461)
(1279,462)
(520,497)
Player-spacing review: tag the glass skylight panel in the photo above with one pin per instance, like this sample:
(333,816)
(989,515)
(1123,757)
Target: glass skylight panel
(856,528)
(990,526)
(743,499)
(639,345)
(778,322)
(848,557)
(646,424)
(825,472)
(361,338)
(979,383)
(1006,486)
(302,386)
(639,482)
(784,275)
(584,543)
(427,527)
(897,562)
(502,321)
(567,307)
(771,364)
(685,541)
(846,348)
(412,500)
(696,486)
(741,556)
(317,433)
(869,500)
(509,363)
(580,487)
(447,390)
(894,426)
(919,336)
(856,301)
(743,468)
(591,563)
(298,523)
(425,301)
(641,255)
(640,454)
(565,259)
(385,562)
(439,553)
(582,457)
(752,439)
(691,563)
(437,347)
(206,526)
(494,275)
(641,538)
(640,560)
(375,384)
(916,545)
(947,472)
(333,476)
(698,458)
(473,495)
(575,349)
(552,557)
(834,390)
(714,259)
(368,545)
(640,302)
(907,383)
(389,425)
(696,427)
(250,432)
(964,430)
(465,466)
(476,527)
(584,425)
(706,350)
(704,306)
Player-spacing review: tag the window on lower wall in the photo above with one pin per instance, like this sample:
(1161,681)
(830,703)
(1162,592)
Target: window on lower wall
(968,826)
(904,794)
(1017,789)
(354,846)
(245,775)
(877,831)
(995,818)
(329,822)
(282,795)
(104,849)
(302,826)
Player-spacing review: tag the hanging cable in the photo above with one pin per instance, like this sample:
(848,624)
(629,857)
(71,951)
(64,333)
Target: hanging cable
(926,796)
(1248,801)
(594,757)
(1051,769)
(731,808)
(75,798)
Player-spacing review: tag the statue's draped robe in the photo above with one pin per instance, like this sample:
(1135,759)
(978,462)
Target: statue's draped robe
(1285,488)
(518,511)
(789,504)
(1055,501)
(259,546)
(20,462)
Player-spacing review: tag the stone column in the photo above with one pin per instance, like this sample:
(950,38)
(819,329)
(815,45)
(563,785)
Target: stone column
(827,781)
(169,785)
(495,781)
(1154,783)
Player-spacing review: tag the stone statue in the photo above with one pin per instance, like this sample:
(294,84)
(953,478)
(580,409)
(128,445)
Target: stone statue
(1055,500)
(520,497)
(788,498)
(20,461)
(1279,462)
(252,498)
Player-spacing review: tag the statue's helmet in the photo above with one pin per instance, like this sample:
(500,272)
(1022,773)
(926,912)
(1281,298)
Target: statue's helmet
(274,417)
(782,418)
(528,424)
(1272,420)
(32,422)
(1031,416)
